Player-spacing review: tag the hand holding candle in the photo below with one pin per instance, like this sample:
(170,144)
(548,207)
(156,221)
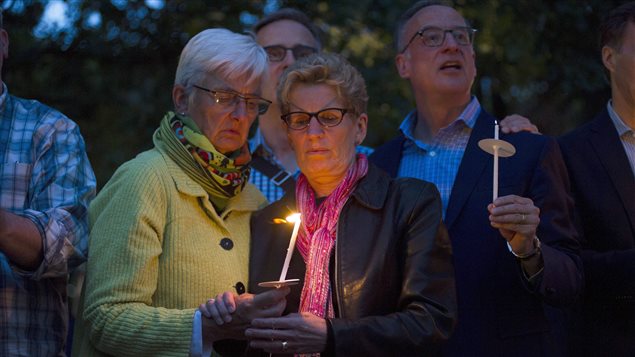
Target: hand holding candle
(495,147)
(293,218)
(498,148)
(296,228)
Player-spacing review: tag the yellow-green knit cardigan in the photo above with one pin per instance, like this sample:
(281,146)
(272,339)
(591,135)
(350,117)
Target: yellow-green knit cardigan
(154,256)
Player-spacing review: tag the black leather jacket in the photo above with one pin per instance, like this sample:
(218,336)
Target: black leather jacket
(393,283)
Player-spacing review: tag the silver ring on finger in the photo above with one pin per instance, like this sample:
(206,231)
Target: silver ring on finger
(523,217)
(284,346)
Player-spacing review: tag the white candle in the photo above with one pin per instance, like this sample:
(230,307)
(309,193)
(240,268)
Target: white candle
(495,129)
(495,183)
(296,228)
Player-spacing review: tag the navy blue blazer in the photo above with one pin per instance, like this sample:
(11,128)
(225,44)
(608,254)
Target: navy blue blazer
(604,191)
(499,313)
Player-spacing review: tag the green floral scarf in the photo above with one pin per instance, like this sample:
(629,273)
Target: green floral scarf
(221,176)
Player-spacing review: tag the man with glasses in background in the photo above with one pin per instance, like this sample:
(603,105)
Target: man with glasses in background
(511,253)
(286,35)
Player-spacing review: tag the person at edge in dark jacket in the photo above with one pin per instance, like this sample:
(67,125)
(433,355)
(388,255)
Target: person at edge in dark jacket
(600,157)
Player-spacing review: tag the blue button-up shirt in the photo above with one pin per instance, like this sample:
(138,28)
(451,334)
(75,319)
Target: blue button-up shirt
(438,161)
(45,176)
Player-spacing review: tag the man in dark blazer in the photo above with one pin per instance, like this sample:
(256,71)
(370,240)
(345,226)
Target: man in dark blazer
(514,254)
(600,157)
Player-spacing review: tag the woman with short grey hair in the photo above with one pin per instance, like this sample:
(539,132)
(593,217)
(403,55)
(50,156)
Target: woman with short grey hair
(171,227)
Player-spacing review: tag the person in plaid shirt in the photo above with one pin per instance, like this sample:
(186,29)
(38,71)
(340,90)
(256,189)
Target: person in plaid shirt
(46,183)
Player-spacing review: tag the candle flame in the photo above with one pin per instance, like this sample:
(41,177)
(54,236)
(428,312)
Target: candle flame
(295,217)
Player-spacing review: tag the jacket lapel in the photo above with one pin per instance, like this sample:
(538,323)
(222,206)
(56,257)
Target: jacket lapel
(610,152)
(472,167)
(372,190)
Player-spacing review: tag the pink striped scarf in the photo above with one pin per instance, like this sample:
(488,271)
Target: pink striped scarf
(317,237)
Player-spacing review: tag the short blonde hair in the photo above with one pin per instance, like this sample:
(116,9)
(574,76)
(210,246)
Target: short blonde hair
(330,69)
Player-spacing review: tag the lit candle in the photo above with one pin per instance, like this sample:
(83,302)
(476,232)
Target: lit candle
(495,188)
(296,228)
(496,129)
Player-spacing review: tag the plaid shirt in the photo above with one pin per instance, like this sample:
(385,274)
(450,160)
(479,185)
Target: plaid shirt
(438,161)
(268,188)
(45,176)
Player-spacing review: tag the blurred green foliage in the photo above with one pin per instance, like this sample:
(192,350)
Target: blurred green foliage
(111,68)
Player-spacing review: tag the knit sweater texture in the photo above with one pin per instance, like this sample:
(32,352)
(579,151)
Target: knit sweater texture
(155,254)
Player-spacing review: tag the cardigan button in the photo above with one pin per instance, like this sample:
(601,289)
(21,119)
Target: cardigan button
(226,243)
(240,288)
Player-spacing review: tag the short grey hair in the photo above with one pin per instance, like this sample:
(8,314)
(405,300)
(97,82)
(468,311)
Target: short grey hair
(412,11)
(226,55)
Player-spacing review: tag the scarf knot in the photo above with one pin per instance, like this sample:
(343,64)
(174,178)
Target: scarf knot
(220,176)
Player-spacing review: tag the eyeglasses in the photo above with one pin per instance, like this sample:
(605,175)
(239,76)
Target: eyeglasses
(327,117)
(435,36)
(229,99)
(277,53)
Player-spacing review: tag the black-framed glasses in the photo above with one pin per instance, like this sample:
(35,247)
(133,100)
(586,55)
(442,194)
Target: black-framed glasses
(229,99)
(435,36)
(277,53)
(327,117)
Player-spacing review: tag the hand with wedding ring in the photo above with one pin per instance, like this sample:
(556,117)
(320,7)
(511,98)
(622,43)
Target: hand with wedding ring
(293,333)
(517,220)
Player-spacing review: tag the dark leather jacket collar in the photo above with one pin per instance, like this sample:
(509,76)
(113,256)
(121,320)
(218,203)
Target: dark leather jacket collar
(372,190)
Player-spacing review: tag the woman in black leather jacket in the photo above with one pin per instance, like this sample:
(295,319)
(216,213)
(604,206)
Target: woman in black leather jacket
(373,256)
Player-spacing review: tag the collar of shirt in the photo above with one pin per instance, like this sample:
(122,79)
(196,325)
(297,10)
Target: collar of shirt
(3,97)
(467,118)
(257,143)
(622,128)
(257,140)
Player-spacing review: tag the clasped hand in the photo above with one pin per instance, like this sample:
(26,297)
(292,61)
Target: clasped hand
(294,333)
(259,322)
(228,315)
